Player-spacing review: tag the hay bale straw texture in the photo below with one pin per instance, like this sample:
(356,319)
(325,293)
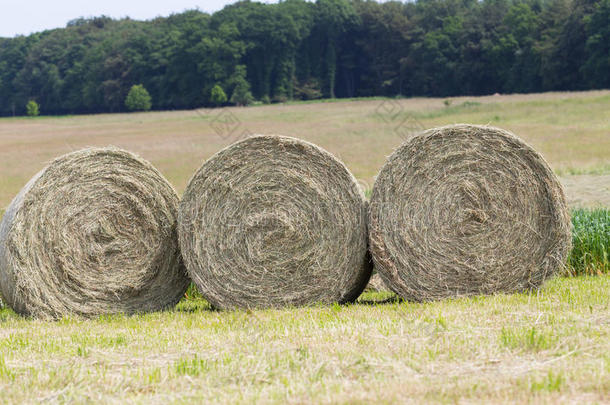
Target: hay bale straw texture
(273,221)
(92,233)
(466,210)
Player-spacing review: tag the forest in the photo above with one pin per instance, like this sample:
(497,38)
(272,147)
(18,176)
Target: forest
(299,50)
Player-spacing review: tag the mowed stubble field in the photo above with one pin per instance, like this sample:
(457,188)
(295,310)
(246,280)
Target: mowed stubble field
(571,130)
(550,346)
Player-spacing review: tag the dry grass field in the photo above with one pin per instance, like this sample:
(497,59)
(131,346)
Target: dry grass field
(572,131)
(550,346)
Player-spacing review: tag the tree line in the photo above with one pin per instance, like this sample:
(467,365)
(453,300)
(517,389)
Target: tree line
(304,50)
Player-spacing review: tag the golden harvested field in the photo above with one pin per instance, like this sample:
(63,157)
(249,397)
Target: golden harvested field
(572,130)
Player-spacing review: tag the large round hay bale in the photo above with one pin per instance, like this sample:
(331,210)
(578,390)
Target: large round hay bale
(92,233)
(467,210)
(274,221)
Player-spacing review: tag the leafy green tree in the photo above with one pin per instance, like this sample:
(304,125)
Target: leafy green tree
(597,65)
(32,109)
(241,94)
(335,19)
(217,95)
(217,53)
(185,81)
(272,35)
(138,99)
(383,39)
(309,90)
(567,47)
(241,91)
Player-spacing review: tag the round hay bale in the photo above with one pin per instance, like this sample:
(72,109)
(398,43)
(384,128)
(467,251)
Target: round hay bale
(92,233)
(466,210)
(274,221)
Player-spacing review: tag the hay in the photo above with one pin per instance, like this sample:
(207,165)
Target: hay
(92,233)
(376,284)
(274,221)
(466,210)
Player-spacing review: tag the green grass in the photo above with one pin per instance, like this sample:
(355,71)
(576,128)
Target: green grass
(551,345)
(576,171)
(551,382)
(338,100)
(192,366)
(528,339)
(458,109)
(590,242)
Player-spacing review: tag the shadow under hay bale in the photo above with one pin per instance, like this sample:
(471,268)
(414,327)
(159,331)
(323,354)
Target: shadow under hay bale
(92,233)
(467,210)
(274,221)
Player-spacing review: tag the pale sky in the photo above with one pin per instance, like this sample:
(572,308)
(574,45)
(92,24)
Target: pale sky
(27,16)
